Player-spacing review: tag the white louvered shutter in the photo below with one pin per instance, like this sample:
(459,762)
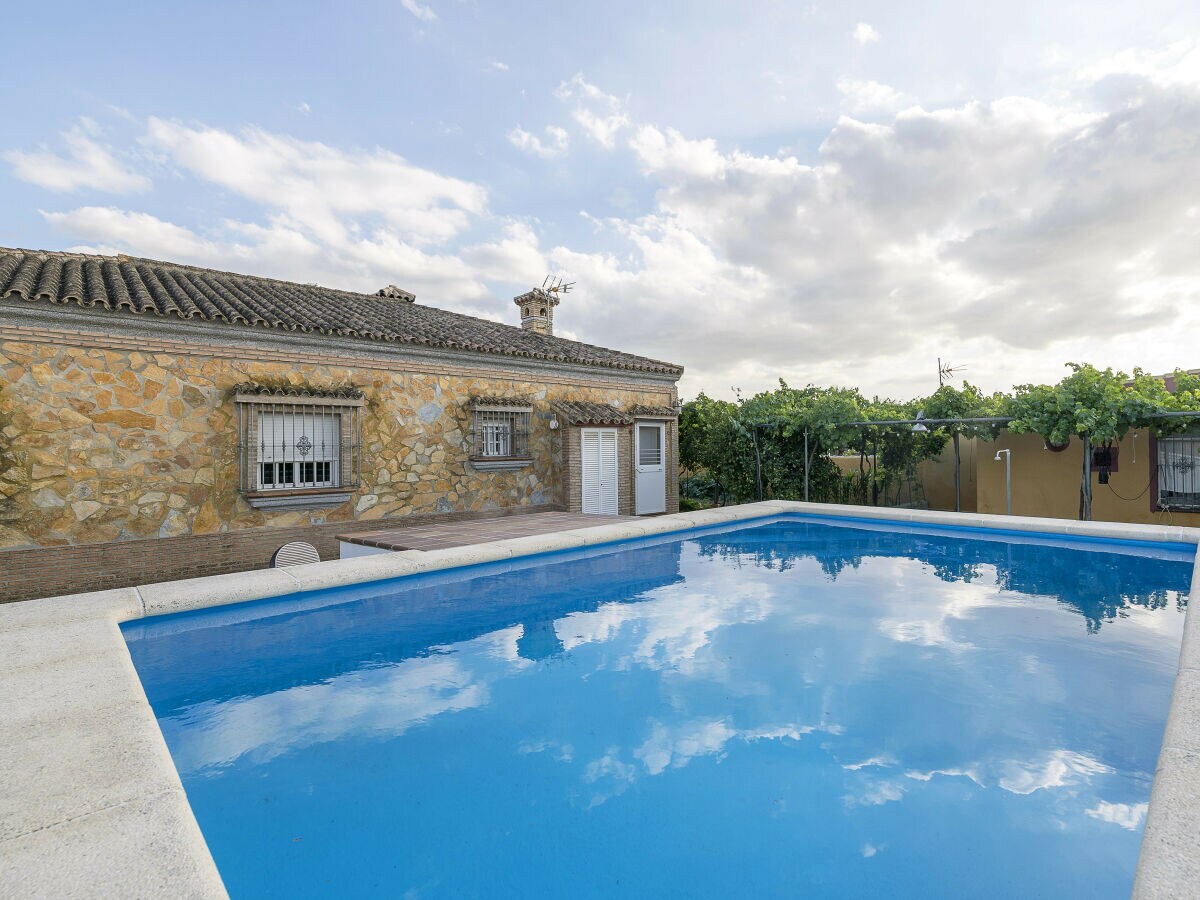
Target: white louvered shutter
(608,472)
(589,458)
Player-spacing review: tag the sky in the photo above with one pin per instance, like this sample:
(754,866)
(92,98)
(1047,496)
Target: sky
(836,194)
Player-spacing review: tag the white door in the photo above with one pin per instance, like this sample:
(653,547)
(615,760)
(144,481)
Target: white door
(650,455)
(598,456)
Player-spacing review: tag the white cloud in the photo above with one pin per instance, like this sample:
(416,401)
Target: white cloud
(1056,769)
(1128,816)
(678,745)
(513,257)
(957,225)
(87,164)
(869,96)
(882,761)
(555,144)
(602,116)
(420,10)
(497,66)
(876,793)
(865,33)
(317,186)
(1177,63)
(117,229)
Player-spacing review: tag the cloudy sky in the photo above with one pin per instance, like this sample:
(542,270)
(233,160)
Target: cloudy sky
(828,193)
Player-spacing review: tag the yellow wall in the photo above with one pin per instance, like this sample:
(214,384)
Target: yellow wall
(1045,483)
(937,477)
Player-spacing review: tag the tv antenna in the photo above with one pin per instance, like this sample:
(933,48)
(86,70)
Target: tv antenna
(946,371)
(555,285)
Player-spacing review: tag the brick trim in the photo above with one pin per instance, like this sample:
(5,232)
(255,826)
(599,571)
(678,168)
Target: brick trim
(49,571)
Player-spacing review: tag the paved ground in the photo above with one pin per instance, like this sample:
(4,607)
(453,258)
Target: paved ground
(476,531)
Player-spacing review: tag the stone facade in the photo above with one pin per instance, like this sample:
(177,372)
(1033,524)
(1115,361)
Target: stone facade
(103,442)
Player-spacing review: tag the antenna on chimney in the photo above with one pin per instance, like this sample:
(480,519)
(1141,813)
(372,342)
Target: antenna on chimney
(555,285)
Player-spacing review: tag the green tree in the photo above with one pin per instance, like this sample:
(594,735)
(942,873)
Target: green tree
(948,402)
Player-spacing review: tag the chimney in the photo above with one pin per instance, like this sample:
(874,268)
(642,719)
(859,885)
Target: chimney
(537,310)
(394,293)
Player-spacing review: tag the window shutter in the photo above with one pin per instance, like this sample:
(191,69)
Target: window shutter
(608,472)
(589,458)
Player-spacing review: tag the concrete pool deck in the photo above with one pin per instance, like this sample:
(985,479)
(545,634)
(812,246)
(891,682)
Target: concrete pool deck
(91,803)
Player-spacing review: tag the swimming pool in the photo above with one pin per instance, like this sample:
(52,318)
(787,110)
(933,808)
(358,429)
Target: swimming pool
(785,706)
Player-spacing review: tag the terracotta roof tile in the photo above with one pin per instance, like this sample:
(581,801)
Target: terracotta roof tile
(514,402)
(664,412)
(582,412)
(124,285)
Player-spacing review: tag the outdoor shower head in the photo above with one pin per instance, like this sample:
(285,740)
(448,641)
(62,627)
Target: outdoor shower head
(997,456)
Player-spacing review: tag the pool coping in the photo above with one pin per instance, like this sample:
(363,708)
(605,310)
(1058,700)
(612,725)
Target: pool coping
(101,808)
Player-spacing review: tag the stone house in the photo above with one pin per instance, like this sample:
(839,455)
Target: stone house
(159,421)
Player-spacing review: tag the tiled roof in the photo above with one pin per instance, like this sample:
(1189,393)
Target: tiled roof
(662,412)
(344,392)
(581,412)
(125,285)
(513,402)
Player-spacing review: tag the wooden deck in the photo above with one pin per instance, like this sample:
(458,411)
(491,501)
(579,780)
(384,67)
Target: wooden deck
(475,531)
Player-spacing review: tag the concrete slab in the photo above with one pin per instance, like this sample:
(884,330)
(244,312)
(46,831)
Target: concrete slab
(1169,865)
(57,757)
(538,543)
(149,847)
(215,590)
(454,557)
(121,603)
(1183,723)
(356,570)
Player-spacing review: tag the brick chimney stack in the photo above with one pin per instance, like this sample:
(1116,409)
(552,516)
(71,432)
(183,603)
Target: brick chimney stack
(537,310)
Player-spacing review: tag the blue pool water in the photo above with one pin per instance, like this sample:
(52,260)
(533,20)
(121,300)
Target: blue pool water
(789,707)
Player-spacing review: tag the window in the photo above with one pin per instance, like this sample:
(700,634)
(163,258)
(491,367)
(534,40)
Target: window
(295,441)
(649,445)
(1179,470)
(501,433)
(298,449)
(500,429)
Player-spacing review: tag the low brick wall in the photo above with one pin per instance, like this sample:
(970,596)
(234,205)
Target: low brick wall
(49,571)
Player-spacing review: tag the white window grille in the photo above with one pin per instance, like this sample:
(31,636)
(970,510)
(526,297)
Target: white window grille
(500,432)
(297,441)
(1179,470)
(650,450)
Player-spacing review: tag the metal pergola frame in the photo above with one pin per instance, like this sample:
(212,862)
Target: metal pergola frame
(999,421)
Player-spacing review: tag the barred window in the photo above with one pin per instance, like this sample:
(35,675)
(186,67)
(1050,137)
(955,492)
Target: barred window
(298,440)
(1179,470)
(500,432)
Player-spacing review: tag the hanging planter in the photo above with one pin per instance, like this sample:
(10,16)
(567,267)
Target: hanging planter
(1057,448)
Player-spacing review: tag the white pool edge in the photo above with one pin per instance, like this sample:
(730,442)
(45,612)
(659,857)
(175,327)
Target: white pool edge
(104,811)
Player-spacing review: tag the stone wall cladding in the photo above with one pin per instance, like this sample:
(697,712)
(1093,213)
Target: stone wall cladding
(107,443)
